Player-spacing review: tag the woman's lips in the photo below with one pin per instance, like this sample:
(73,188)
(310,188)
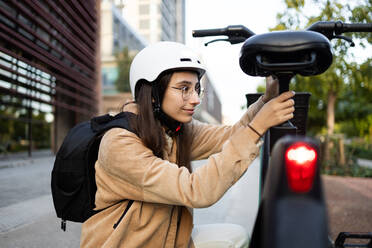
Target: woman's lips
(189,111)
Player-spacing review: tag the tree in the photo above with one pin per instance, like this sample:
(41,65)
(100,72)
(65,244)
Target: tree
(124,59)
(344,78)
(354,108)
(328,87)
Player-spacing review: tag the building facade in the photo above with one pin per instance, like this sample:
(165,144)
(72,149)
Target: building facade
(210,108)
(116,34)
(49,71)
(156,20)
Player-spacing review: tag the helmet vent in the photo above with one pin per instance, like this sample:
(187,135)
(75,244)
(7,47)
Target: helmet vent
(185,59)
(198,62)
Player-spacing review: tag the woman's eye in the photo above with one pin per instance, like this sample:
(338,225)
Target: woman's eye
(185,88)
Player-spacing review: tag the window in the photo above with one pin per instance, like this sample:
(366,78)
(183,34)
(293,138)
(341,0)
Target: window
(144,9)
(144,24)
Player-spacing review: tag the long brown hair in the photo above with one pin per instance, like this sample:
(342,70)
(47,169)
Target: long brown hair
(150,129)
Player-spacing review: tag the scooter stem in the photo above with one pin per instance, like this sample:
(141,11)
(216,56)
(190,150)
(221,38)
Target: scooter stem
(284,80)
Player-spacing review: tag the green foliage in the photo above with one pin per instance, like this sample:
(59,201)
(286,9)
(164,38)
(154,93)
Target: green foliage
(359,149)
(349,81)
(356,149)
(362,13)
(124,60)
(296,4)
(261,88)
(352,170)
(354,110)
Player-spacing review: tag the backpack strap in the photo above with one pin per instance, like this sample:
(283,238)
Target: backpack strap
(103,123)
(99,125)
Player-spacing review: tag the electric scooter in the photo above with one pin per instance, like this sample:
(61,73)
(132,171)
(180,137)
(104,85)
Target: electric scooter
(292,210)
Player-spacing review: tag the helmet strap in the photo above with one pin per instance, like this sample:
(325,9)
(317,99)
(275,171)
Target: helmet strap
(173,127)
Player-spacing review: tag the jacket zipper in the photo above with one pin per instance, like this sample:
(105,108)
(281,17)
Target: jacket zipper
(122,216)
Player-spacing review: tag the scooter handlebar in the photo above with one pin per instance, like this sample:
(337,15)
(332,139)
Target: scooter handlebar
(230,31)
(330,29)
(357,27)
(209,32)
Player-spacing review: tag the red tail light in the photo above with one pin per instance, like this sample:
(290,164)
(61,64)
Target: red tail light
(300,160)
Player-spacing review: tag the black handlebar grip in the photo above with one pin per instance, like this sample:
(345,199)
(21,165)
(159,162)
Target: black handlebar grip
(357,27)
(338,27)
(209,32)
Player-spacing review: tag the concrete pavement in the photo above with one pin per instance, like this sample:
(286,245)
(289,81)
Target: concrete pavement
(349,202)
(43,232)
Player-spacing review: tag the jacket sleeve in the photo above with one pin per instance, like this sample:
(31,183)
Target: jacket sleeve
(208,139)
(134,172)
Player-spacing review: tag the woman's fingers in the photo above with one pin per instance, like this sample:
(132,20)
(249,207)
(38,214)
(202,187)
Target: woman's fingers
(289,103)
(288,110)
(285,96)
(284,101)
(283,111)
(274,112)
(278,106)
(288,117)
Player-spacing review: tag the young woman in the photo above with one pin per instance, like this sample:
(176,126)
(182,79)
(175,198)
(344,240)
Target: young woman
(152,167)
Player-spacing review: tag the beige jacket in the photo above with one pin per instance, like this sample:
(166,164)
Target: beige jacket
(164,194)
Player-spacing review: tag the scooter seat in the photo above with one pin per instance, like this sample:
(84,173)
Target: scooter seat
(297,52)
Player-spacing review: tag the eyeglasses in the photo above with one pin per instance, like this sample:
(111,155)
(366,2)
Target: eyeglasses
(187,91)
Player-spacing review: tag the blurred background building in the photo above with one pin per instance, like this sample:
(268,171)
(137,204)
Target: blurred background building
(116,35)
(156,20)
(49,70)
(59,63)
(210,108)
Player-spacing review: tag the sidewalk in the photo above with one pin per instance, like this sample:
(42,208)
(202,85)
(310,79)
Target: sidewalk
(22,158)
(349,203)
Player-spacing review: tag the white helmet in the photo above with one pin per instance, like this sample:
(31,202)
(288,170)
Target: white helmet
(154,59)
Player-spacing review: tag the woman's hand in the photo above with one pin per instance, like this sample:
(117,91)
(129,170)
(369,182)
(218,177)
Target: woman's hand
(272,88)
(130,106)
(274,112)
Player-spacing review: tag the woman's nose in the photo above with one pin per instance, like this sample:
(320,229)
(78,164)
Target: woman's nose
(194,99)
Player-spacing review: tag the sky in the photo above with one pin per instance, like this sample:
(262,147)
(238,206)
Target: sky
(221,58)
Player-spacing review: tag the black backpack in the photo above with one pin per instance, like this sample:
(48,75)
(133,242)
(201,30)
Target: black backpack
(73,176)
